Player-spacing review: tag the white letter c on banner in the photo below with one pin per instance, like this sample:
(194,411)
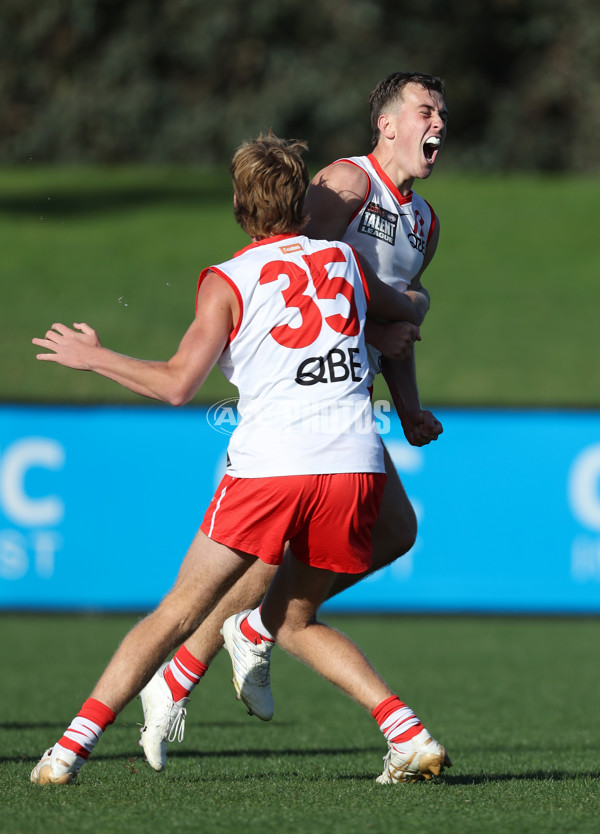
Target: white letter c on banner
(22,455)
(584,487)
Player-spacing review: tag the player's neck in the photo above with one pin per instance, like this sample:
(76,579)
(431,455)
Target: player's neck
(394,171)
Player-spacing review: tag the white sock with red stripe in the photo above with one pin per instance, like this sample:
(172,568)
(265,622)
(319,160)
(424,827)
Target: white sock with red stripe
(84,731)
(183,673)
(397,722)
(254,629)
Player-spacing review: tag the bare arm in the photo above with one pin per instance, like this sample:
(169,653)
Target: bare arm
(385,302)
(174,381)
(333,196)
(393,308)
(420,426)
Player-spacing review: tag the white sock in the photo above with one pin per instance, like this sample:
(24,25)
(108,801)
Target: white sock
(255,622)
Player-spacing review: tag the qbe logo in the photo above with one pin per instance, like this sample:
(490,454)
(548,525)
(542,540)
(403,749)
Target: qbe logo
(584,501)
(30,544)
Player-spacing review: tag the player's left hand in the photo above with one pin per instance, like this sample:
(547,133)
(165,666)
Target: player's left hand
(70,347)
(421,427)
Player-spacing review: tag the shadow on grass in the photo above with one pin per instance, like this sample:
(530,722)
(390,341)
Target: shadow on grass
(534,776)
(131,760)
(459,780)
(466,779)
(263,753)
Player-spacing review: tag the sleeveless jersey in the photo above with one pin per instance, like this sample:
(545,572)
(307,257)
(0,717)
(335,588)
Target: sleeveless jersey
(298,358)
(391,231)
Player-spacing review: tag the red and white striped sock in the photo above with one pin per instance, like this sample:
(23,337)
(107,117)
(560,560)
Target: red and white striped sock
(85,729)
(254,629)
(183,673)
(397,722)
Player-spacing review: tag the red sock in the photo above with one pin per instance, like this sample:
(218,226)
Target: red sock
(252,634)
(396,721)
(183,673)
(85,729)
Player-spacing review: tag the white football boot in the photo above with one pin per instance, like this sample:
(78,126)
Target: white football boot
(164,719)
(251,668)
(412,761)
(57,767)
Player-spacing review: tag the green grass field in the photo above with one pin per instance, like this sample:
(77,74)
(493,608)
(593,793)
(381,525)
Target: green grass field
(514,700)
(514,285)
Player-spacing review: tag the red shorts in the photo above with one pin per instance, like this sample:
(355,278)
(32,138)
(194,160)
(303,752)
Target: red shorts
(327,519)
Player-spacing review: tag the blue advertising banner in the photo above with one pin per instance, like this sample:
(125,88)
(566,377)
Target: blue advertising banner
(98,505)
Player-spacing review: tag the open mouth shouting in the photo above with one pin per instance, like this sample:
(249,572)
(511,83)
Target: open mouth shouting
(431,147)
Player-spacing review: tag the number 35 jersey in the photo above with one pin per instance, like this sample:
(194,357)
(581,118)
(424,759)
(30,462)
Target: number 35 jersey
(297,355)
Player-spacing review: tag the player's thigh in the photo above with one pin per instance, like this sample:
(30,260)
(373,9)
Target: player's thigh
(396,514)
(207,570)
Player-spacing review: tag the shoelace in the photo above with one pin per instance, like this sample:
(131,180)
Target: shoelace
(177,729)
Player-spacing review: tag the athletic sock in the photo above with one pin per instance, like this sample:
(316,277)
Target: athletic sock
(254,629)
(183,673)
(85,729)
(397,722)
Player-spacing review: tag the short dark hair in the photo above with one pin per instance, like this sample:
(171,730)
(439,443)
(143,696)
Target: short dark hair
(391,89)
(270,179)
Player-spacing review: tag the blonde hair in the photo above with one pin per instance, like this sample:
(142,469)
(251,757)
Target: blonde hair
(270,179)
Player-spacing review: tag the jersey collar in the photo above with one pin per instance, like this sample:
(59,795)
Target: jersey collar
(384,177)
(263,241)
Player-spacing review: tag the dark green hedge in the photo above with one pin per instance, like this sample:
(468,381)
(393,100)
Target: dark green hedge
(187,80)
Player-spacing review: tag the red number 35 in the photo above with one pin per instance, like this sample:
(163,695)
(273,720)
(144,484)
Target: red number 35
(326,287)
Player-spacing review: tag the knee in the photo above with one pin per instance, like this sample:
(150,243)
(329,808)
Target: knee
(178,621)
(287,637)
(286,630)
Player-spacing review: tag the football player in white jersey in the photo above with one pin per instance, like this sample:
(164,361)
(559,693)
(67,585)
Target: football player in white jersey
(284,319)
(346,201)
(369,202)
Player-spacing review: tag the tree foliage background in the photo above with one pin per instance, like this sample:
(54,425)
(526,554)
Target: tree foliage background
(112,81)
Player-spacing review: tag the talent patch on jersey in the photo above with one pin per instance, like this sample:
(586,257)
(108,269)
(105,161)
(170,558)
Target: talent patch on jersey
(379,222)
(291,247)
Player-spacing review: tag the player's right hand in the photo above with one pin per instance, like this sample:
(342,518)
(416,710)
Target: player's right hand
(421,427)
(70,347)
